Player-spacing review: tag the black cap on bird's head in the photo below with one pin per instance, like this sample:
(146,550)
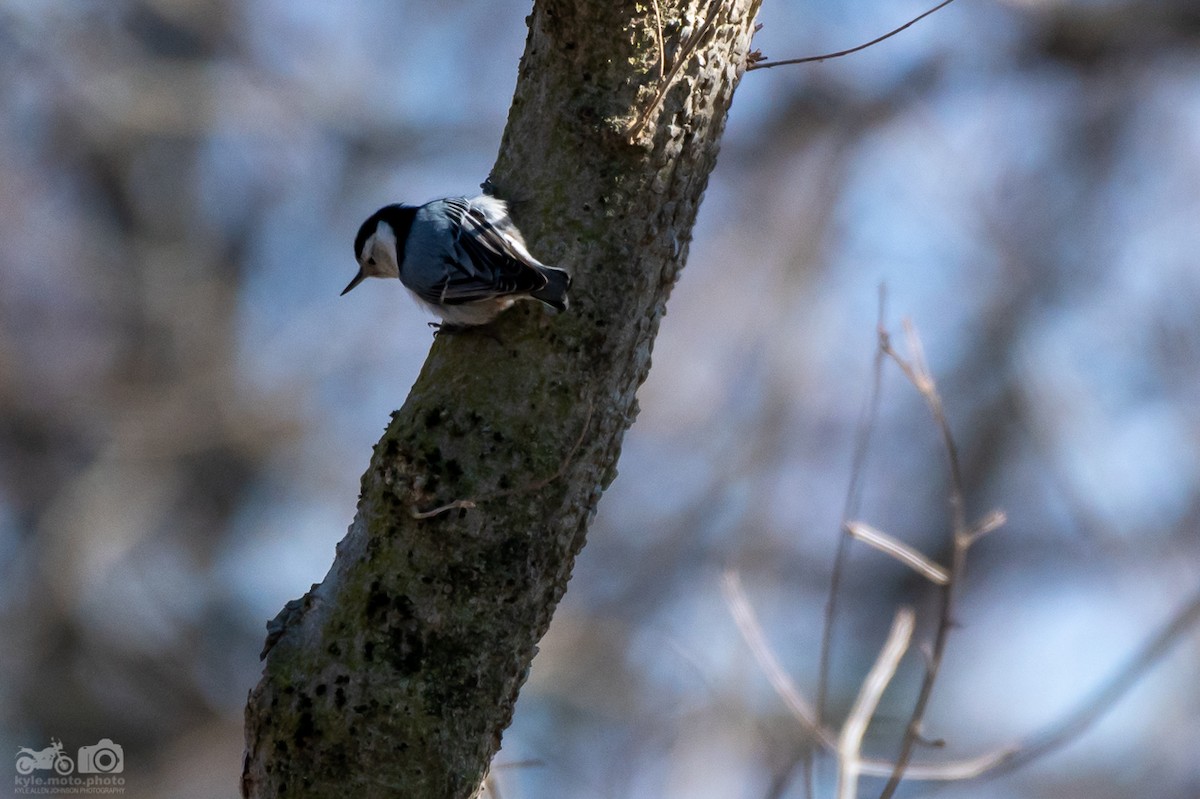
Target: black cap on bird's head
(366,244)
(365,230)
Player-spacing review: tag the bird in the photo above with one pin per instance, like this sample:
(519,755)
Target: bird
(462,258)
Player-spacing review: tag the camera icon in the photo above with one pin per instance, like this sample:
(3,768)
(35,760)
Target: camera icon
(104,757)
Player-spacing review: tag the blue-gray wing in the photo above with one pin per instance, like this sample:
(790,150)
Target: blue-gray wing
(483,254)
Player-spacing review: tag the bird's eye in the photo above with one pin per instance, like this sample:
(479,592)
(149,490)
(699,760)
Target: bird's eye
(371,261)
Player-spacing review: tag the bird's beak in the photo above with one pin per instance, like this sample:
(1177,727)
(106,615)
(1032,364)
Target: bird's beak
(357,279)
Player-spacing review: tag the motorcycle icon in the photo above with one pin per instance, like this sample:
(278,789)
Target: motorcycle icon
(50,757)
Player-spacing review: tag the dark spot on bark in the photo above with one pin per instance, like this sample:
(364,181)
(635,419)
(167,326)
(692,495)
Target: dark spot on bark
(394,619)
(391,448)
(454,469)
(433,459)
(377,601)
(334,650)
(407,651)
(456,688)
(320,690)
(304,726)
(433,418)
(339,698)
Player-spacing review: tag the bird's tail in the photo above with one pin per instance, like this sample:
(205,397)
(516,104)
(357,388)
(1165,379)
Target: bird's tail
(554,293)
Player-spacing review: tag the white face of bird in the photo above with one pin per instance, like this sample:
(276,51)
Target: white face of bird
(378,257)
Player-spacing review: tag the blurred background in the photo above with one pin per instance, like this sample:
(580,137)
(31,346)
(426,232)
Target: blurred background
(186,405)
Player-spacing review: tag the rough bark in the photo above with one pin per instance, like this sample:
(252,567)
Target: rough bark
(398,673)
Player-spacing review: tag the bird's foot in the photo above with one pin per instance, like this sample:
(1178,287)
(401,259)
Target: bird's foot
(446,329)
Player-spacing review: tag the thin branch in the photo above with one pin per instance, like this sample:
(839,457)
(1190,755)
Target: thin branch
(862,446)
(1070,727)
(664,85)
(752,634)
(1004,759)
(848,745)
(1109,693)
(840,53)
(449,506)
(993,521)
(662,48)
(531,762)
(950,771)
(917,371)
(900,551)
(869,694)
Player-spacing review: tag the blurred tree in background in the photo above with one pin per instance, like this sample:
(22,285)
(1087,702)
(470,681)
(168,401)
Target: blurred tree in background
(186,406)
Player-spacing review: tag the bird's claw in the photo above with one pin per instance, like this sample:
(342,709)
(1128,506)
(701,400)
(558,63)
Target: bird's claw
(445,328)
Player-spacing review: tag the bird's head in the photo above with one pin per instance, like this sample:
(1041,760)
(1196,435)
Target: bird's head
(375,248)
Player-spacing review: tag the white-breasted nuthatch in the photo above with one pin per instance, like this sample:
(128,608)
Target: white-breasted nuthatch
(461,257)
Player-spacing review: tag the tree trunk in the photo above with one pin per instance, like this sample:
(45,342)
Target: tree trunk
(397,674)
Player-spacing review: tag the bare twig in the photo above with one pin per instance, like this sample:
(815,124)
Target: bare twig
(1109,693)
(869,694)
(752,634)
(440,509)
(764,64)
(1075,723)
(950,771)
(531,762)
(900,551)
(681,58)
(1003,759)
(662,48)
(846,746)
(743,616)
(993,521)
(917,372)
(862,447)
